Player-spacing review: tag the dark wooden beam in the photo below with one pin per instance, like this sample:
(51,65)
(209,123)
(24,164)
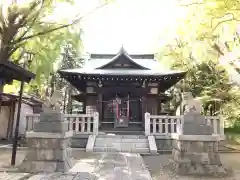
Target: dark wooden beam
(126,89)
(10,71)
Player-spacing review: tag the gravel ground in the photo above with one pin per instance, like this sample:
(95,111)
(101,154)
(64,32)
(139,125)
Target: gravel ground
(158,170)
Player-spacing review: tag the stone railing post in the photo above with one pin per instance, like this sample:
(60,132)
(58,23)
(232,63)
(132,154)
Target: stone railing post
(180,123)
(147,124)
(222,128)
(95,123)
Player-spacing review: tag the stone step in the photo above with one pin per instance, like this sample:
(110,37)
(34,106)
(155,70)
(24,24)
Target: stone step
(121,143)
(132,145)
(109,140)
(121,149)
(121,136)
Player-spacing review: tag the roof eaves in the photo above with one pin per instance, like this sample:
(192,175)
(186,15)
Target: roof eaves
(27,75)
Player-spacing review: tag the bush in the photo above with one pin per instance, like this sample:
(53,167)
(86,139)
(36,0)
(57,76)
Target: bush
(232,130)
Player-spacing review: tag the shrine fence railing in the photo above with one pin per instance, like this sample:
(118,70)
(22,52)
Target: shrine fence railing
(163,125)
(78,123)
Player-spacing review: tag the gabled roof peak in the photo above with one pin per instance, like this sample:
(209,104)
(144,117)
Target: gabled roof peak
(122,50)
(122,53)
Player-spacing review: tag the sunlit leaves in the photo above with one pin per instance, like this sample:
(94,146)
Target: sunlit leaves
(210,22)
(20,20)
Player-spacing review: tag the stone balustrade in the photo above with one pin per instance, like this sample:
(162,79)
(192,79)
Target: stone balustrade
(162,125)
(78,123)
(159,125)
(217,123)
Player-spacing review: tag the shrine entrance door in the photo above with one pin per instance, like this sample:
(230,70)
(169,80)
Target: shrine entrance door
(122,110)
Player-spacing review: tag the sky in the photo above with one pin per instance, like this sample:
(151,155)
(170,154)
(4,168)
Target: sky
(141,26)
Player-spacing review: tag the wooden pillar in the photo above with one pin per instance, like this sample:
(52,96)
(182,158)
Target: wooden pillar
(100,107)
(143,106)
(84,104)
(158,106)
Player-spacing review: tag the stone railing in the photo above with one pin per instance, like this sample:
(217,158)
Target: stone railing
(78,123)
(217,123)
(162,125)
(31,119)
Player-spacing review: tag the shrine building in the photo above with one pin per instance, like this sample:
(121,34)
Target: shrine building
(121,88)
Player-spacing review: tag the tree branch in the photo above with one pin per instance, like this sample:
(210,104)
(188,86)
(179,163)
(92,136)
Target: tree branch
(218,49)
(33,19)
(13,49)
(56,28)
(196,3)
(224,21)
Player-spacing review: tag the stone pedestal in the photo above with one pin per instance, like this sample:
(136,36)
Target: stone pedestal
(195,151)
(48,145)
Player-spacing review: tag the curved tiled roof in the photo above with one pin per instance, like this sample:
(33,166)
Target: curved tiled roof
(144,61)
(99,62)
(9,70)
(148,66)
(121,72)
(123,53)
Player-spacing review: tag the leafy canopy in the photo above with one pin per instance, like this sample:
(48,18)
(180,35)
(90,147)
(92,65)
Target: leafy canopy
(207,37)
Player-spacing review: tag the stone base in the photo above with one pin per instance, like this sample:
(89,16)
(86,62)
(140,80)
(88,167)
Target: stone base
(45,166)
(185,169)
(47,152)
(47,160)
(197,158)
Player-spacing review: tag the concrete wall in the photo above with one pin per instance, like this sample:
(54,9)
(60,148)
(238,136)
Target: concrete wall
(164,144)
(79,141)
(4,118)
(25,109)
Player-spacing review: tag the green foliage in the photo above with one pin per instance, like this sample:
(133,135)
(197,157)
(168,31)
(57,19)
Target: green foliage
(209,24)
(232,130)
(25,26)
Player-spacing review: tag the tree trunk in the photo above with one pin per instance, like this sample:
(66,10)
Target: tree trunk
(1,87)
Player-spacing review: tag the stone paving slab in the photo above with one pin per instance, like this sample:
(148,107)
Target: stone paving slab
(50,176)
(157,165)
(106,166)
(12,176)
(122,166)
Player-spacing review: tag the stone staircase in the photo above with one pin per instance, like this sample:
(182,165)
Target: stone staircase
(121,143)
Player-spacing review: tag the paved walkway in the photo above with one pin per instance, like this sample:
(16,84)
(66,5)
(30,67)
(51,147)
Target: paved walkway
(107,166)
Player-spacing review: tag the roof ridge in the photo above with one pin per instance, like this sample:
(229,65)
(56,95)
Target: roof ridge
(122,52)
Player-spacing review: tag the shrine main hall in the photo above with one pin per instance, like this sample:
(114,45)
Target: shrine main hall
(122,87)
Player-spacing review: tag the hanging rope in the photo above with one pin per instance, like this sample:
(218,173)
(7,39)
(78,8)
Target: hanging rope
(115,104)
(117,111)
(128,107)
